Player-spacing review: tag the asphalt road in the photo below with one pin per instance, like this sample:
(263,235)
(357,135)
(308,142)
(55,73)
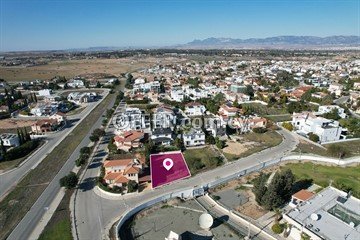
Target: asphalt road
(10,178)
(94,213)
(33,216)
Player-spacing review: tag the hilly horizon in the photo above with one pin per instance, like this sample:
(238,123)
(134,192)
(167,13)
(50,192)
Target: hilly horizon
(276,42)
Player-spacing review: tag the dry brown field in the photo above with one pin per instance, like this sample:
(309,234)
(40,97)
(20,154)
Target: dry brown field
(71,68)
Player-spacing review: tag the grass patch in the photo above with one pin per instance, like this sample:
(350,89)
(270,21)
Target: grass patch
(265,110)
(344,178)
(202,159)
(352,148)
(59,226)
(279,118)
(306,147)
(262,140)
(16,204)
(75,111)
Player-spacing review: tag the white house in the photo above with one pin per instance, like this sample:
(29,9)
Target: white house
(164,117)
(162,136)
(327,130)
(194,109)
(336,88)
(193,137)
(44,92)
(330,108)
(10,139)
(76,83)
(131,119)
(177,94)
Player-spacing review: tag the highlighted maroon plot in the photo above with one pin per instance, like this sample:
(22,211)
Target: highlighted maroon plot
(167,167)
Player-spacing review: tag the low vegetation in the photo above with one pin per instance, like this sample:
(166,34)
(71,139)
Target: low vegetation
(202,159)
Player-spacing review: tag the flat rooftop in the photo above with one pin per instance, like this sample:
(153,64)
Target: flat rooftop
(338,216)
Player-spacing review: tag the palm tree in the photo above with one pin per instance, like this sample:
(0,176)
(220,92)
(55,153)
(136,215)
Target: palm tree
(278,215)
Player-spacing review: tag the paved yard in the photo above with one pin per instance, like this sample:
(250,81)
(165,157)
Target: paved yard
(231,198)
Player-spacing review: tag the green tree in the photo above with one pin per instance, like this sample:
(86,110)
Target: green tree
(132,186)
(69,181)
(260,187)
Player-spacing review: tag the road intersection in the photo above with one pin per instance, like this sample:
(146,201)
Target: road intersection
(96,213)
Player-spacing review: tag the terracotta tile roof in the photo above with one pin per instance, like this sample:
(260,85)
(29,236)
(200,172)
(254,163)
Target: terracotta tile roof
(131,170)
(129,136)
(303,195)
(121,162)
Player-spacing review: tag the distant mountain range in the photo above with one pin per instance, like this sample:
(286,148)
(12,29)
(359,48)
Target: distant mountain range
(275,42)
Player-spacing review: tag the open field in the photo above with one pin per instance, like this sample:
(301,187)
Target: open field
(344,178)
(59,226)
(16,204)
(201,159)
(71,68)
(251,143)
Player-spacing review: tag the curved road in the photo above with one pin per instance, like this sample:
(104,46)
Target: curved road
(94,214)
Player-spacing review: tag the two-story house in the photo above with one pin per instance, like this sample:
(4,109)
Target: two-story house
(129,140)
(193,137)
(120,172)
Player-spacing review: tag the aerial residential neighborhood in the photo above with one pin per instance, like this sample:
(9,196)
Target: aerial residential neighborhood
(179,120)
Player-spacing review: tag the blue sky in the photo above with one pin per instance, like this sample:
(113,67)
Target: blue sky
(63,24)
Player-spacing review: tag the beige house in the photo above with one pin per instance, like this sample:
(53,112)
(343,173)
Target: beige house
(120,172)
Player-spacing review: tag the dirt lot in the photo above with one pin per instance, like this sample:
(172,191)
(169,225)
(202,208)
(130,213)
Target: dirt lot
(71,68)
(14,124)
(238,147)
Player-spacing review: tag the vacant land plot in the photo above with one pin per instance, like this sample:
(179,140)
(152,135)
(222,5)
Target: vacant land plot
(202,159)
(251,143)
(265,110)
(9,123)
(345,178)
(351,148)
(71,68)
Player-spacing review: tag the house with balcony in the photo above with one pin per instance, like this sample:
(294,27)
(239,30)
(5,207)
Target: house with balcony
(129,140)
(193,137)
(120,172)
(194,109)
(162,136)
(327,130)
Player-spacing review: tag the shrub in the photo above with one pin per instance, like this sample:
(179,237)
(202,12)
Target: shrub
(132,186)
(313,137)
(288,126)
(278,228)
(259,130)
(216,197)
